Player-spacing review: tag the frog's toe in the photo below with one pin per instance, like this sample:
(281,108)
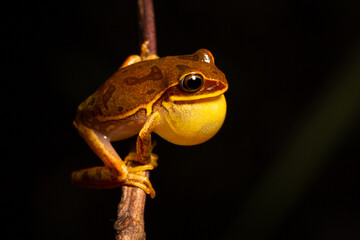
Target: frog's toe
(146,167)
(152,161)
(140,181)
(130,157)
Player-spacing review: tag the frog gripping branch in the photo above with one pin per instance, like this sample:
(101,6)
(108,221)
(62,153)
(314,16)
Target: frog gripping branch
(180,98)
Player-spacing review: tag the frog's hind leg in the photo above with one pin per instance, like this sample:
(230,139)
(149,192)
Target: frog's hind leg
(114,174)
(105,178)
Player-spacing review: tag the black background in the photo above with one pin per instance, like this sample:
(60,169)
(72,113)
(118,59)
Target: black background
(284,166)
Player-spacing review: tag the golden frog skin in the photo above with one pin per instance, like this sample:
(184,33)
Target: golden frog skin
(180,98)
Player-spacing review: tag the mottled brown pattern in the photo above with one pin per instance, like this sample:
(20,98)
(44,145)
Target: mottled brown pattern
(89,114)
(182,67)
(151,91)
(154,75)
(107,95)
(97,111)
(192,57)
(144,82)
(92,101)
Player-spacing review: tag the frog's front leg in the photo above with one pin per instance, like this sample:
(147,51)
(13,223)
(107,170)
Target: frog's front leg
(144,145)
(115,173)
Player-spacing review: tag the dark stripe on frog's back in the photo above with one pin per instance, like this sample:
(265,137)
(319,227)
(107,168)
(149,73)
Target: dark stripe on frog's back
(192,57)
(131,87)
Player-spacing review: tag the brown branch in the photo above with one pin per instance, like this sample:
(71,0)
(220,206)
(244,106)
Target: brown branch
(130,223)
(147,24)
(130,217)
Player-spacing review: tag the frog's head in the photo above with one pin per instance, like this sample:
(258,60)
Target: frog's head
(194,104)
(197,77)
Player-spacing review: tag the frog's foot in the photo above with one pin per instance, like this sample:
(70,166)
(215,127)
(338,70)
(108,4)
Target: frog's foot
(149,166)
(145,55)
(131,60)
(140,181)
(149,159)
(104,177)
(145,52)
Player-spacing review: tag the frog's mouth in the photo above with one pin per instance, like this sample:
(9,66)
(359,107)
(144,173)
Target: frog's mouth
(199,100)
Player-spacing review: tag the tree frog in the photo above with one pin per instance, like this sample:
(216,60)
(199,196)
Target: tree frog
(180,98)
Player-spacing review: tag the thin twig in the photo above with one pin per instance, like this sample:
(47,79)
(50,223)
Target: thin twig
(130,223)
(147,24)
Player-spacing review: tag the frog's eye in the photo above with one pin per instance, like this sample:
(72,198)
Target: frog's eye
(192,82)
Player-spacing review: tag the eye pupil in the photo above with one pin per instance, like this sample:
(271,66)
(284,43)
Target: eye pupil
(192,82)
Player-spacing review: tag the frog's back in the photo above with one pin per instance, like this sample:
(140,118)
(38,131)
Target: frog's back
(125,92)
(140,85)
